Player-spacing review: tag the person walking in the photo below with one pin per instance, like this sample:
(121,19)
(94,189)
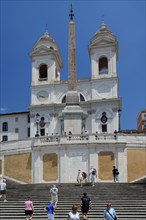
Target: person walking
(93,177)
(85,205)
(115,174)
(54,195)
(3,189)
(80,177)
(74,214)
(29,209)
(50,210)
(90,172)
(109,213)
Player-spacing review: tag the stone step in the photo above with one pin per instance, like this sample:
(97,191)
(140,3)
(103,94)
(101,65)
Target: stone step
(128,200)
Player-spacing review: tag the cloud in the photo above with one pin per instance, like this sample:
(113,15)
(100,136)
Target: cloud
(3,109)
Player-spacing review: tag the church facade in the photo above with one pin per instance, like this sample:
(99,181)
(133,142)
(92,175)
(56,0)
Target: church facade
(72,124)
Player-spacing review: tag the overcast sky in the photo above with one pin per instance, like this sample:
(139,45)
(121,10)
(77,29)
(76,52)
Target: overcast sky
(23,22)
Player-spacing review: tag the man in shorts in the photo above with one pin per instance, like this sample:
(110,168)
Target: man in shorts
(3,189)
(85,205)
(29,209)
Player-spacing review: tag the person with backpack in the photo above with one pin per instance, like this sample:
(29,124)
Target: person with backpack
(54,195)
(109,213)
(85,205)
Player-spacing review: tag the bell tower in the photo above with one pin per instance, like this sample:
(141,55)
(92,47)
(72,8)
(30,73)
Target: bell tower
(103,51)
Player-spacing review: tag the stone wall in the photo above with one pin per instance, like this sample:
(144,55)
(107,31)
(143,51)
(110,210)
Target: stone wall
(136,163)
(0,167)
(105,165)
(50,167)
(18,166)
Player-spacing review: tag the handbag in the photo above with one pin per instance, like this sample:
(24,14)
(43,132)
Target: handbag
(115,218)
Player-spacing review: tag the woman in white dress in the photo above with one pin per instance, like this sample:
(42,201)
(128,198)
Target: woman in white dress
(80,177)
(74,214)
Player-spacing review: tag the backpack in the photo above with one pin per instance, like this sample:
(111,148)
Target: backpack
(93,172)
(84,175)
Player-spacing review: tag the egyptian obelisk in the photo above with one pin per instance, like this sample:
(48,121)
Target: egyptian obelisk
(72,113)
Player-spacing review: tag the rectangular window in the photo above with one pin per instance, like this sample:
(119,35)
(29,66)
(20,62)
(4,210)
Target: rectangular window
(5,138)
(42,132)
(104,128)
(16,130)
(16,119)
(5,126)
(28,132)
(28,118)
(144,115)
(144,124)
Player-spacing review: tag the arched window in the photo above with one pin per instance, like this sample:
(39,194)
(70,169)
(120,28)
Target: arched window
(104,122)
(103,65)
(43,72)
(82,99)
(5,126)
(64,99)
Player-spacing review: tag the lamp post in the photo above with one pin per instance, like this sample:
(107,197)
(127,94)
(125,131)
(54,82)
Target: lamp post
(119,111)
(37,123)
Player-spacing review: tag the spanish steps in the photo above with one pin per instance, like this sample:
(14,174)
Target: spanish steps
(129,200)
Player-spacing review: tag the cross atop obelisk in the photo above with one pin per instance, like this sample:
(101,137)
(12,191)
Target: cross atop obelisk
(71,54)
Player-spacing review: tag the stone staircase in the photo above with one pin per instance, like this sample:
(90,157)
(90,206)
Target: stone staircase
(129,200)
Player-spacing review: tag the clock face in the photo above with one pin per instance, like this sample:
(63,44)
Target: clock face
(103,119)
(42,95)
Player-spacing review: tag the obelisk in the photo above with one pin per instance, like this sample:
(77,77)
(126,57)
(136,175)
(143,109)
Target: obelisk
(72,95)
(72,113)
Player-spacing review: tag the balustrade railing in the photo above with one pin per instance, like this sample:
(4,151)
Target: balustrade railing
(76,138)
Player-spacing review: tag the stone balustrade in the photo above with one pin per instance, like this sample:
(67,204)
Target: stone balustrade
(135,140)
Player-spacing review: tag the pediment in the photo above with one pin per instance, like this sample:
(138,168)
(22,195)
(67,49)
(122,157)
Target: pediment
(103,41)
(42,50)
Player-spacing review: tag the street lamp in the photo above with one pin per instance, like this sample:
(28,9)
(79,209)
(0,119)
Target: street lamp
(37,123)
(119,111)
